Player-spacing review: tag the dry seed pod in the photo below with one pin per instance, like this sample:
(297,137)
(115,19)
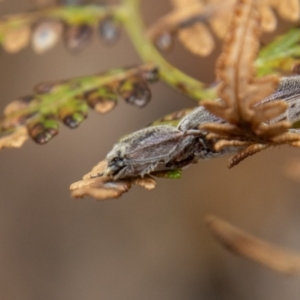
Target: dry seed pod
(45,35)
(16,39)
(76,37)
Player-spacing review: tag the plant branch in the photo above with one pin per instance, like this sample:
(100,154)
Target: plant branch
(145,48)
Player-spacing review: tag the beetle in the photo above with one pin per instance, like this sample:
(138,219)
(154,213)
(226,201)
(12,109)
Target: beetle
(204,147)
(157,148)
(164,147)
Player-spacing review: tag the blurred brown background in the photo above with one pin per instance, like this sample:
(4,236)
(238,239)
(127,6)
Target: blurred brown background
(145,245)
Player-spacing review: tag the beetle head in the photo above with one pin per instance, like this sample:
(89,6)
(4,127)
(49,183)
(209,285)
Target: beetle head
(115,161)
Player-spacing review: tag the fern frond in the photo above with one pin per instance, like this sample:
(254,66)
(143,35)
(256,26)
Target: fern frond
(68,101)
(195,21)
(241,91)
(43,28)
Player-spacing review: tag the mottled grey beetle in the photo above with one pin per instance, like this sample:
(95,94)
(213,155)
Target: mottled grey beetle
(164,147)
(192,121)
(156,148)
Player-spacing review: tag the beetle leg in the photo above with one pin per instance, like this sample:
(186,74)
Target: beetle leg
(149,169)
(121,174)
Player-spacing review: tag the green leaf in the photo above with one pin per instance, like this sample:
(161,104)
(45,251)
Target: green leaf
(281,55)
(172,174)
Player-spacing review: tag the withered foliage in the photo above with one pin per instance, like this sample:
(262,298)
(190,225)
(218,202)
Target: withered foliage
(243,244)
(248,125)
(188,23)
(14,140)
(102,188)
(195,20)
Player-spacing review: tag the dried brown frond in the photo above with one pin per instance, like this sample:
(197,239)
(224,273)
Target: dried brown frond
(14,140)
(102,187)
(243,154)
(268,18)
(188,22)
(247,118)
(241,243)
(239,89)
(146,182)
(220,145)
(288,9)
(197,39)
(221,20)
(217,14)
(172,22)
